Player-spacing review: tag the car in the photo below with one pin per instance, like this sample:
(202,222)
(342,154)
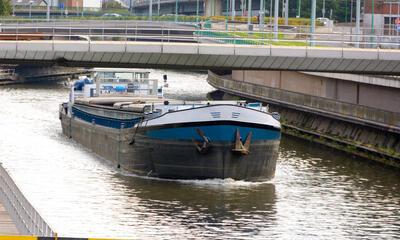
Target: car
(325,21)
(116,15)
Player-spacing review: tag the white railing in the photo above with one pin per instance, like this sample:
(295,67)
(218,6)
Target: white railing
(26,218)
(131,31)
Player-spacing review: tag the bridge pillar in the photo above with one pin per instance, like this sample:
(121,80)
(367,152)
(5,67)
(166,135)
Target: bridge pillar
(213,8)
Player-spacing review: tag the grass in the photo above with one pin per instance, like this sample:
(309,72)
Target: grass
(247,38)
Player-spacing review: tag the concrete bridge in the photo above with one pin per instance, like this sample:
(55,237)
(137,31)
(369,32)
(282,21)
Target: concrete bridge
(195,49)
(200,56)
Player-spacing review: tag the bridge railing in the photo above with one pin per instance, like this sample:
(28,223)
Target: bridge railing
(170,32)
(23,214)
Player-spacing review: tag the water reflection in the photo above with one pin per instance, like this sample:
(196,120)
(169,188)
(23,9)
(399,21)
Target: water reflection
(214,206)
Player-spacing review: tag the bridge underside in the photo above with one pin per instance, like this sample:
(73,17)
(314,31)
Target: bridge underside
(200,56)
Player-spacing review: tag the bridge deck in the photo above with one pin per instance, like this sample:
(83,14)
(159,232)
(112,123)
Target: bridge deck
(7,226)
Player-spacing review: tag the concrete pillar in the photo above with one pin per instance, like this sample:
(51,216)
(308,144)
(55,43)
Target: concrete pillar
(213,8)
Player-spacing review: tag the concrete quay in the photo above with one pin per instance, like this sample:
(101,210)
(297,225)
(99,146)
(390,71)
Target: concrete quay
(7,226)
(355,117)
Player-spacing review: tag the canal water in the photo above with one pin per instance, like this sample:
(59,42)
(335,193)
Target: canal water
(317,193)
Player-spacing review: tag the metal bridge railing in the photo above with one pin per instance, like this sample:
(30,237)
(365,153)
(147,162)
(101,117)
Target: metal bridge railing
(130,31)
(23,214)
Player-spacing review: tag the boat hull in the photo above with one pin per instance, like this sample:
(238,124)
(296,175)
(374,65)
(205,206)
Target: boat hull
(181,160)
(153,151)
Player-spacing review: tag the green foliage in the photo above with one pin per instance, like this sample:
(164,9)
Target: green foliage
(5,7)
(111,5)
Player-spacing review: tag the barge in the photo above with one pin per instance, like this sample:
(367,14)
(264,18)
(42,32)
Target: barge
(123,117)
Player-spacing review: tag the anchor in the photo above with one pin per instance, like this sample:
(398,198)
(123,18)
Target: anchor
(239,146)
(202,147)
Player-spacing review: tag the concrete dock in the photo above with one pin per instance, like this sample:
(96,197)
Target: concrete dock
(7,226)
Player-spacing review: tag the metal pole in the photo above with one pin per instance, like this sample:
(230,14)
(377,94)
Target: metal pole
(151,10)
(390,18)
(398,13)
(323,9)
(287,12)
(233,10)
(372,17)
(176,10)
(298,8)
(48,10)
(197,11)
(270,12)
(226,15)
(262,13)
(249,15)
(313,12)
(30,10)
(276,13)
(158,8)
(358,14)
(351,11)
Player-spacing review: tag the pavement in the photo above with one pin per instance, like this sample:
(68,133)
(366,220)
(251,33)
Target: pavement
(7,226)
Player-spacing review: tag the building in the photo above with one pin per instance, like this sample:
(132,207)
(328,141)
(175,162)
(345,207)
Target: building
(382,17)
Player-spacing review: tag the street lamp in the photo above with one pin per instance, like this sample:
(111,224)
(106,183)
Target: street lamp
(151,10)
(298,8)
(197,11)
(372,17)
(313,12)
(287,12)
(30,8)
(358,13)
(262,13)
(233,10)
(176,10)
(249,15)
(276,13)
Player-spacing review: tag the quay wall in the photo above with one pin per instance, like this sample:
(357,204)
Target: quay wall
(26,218)
(360,93)
(352,117)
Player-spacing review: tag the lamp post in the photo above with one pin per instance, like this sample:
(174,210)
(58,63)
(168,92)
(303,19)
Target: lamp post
(151,10)
(226,14)
(249,15)
(197,11)
(313,12)
(298,8)
(158,8)
(276,13)
(372,17)
(287,12)
(233,10)
(30,9)
(262,13)
(358,13)
(323,8)
(176,10)
(270,12)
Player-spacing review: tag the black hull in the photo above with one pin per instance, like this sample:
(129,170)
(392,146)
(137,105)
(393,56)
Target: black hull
(173,159)
(181,160)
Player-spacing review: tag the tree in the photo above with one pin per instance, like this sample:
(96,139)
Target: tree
(111,5)
(5,7)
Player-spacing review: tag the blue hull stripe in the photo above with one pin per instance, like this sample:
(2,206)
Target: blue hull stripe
(104,121)
(215,133)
